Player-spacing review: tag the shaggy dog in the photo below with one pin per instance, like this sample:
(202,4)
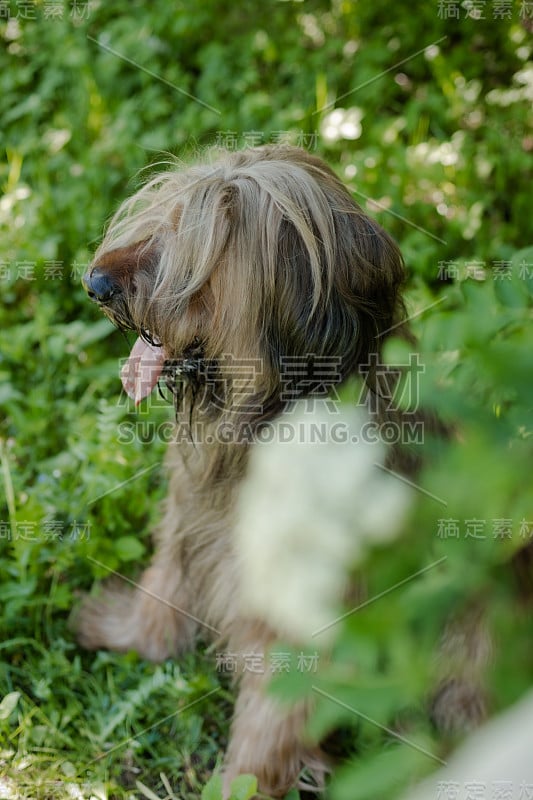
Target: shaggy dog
(259,257)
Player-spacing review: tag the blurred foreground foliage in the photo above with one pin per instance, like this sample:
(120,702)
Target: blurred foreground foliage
(463,566)
(431,118)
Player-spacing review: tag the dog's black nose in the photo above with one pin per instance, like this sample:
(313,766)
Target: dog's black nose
(99,286)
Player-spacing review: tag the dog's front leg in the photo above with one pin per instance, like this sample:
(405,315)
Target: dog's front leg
(151,618)
(267,738)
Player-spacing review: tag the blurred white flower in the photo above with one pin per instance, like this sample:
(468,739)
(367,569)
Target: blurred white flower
(497,755)
(342,123)
(505,97)
(56,138)
(312,504)
(431,52)
(446,153)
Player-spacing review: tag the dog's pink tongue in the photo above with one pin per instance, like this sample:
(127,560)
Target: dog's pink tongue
(141,371)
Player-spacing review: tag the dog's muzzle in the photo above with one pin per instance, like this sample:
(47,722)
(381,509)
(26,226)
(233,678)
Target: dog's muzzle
(99,286)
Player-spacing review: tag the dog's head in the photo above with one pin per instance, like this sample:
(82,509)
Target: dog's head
(260,254)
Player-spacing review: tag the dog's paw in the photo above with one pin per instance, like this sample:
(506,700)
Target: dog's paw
(118,618)
(458,707)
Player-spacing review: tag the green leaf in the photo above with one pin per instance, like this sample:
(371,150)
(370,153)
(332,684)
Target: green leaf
(213,788)
(8,704)
(382,775)
(128,548)
(510,291)
(68,769)
(293,795)
(146,791)
(522,268)
(243,787)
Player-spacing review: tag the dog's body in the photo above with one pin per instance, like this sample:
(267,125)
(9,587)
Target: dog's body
(262,255)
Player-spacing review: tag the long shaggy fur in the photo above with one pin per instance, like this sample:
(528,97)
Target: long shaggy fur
(261,254)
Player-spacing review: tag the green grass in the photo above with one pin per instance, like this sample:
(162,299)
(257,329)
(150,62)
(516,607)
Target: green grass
(108,721)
